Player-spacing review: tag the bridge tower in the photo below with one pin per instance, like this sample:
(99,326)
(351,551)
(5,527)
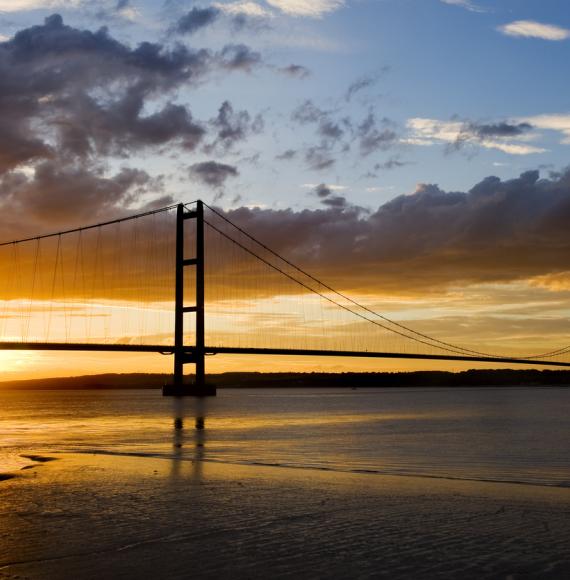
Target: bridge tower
(182,354)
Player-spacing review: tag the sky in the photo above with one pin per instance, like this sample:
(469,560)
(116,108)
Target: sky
(413,153)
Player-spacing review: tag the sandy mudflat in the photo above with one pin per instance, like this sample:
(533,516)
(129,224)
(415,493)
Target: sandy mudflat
(96,516)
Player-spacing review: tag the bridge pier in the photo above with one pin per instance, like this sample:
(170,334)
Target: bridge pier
(198,355)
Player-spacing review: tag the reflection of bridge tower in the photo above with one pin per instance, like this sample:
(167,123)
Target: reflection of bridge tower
(197,355)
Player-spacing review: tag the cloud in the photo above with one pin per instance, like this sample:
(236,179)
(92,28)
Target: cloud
(338,133)
(556,282)
(532,29)
(117,12)
(318,158)
(45,196)
(329,130)
(458,134)
(251,9)
(295,70)
(120,127)
(74,100)
(363,83)
(325,195)
(502,129)
(245,15)
(231,127)
(498,231)
(373,138)
(557,122)
(21,5)
(241,15)
(287,155)
(213,173)
(89,92)
(196,19)
(308,8)
(240,57)
(86,91)
(467,4)
(392,163)
(330,188)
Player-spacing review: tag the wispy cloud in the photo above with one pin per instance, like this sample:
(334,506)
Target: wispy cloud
(309,8)
(18,5)
(532,29)
(467,4)
(558,122)
(503,137)
(331,187)
(247,8)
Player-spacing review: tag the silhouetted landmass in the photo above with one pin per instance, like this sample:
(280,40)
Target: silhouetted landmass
(494,377)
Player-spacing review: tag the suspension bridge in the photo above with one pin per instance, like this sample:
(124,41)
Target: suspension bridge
(184,280)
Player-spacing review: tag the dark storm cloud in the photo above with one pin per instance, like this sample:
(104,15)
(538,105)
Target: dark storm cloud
(498,231)
(295,70)
(212,173)
(196,19)
(231,127)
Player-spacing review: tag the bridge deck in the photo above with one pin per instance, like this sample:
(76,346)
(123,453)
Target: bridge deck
(165,349)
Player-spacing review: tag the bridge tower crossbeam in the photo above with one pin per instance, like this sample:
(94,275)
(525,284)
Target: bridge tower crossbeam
(182,354)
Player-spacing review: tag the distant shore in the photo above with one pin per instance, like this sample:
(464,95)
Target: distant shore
(236,380)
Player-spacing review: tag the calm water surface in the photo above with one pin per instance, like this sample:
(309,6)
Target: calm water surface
(496,434)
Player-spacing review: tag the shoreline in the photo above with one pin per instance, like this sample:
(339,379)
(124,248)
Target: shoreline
(40,458)
(491,378)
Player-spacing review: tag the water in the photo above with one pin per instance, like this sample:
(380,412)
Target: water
(492,434)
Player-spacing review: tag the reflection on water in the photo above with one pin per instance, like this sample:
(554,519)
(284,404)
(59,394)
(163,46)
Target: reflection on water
(506,434)
(188,411)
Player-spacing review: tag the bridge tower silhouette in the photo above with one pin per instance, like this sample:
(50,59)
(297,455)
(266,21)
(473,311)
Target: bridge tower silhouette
(182,355)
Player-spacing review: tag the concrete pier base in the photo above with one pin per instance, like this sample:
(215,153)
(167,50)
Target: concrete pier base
(206,390)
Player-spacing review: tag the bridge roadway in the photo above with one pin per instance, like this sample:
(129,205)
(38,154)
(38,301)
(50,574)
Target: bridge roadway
(162,349)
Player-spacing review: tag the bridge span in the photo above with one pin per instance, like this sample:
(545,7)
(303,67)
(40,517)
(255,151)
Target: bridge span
(188,353)
(183,258)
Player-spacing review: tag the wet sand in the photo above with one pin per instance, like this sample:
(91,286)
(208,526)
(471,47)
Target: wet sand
(97,516)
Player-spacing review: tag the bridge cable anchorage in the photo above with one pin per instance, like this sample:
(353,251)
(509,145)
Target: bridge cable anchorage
(444,345)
